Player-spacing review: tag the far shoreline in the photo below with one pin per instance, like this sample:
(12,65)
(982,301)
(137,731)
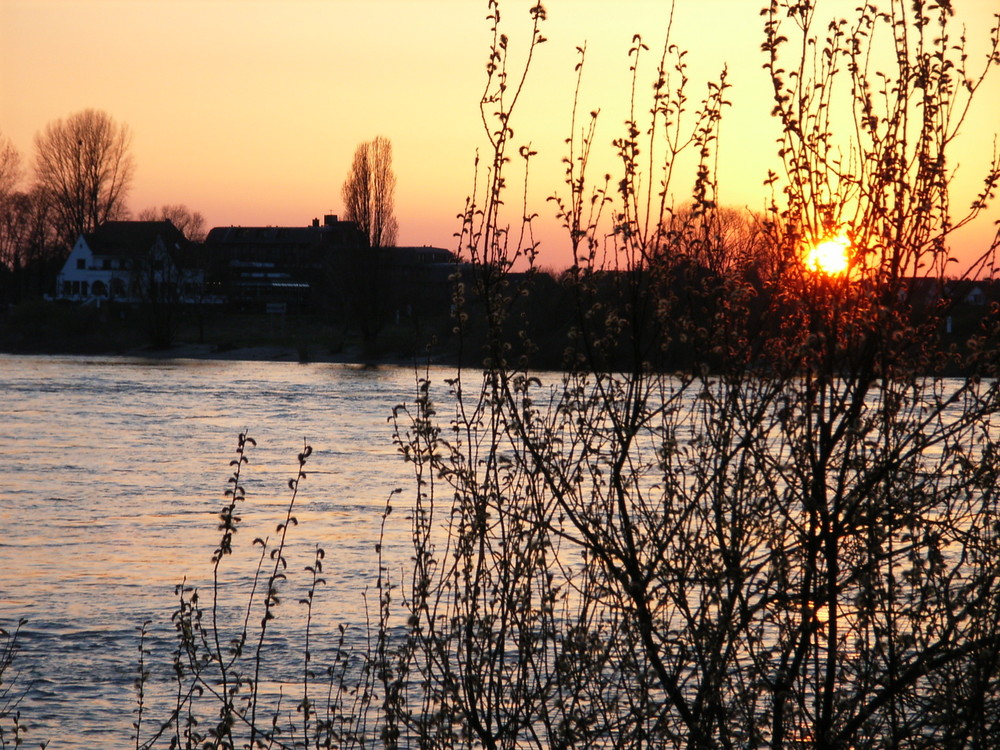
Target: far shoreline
(47,328)
(253,353)
(280,353)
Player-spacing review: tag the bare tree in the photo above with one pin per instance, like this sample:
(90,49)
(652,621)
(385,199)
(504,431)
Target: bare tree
(10,205)
(726,240)
(791,540)
(788,545)
(84,165)
(369,192)
(16,228)
(29,250)
(191,223)
(11,171)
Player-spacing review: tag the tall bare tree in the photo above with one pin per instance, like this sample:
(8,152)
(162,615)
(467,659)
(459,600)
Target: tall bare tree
(369,192)
(788,538)
(84,165)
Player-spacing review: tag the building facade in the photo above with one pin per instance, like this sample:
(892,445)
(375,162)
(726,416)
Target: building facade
(131,261)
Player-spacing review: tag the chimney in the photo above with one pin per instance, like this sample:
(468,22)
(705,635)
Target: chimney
(315,223)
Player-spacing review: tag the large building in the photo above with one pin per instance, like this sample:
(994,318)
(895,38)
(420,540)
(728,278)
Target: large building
(325,265)
(256,267)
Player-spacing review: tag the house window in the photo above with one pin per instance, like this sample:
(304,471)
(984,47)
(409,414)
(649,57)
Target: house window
(83,286)
(99,289)
(80,264)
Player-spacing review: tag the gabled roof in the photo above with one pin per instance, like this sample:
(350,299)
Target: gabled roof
(135,238)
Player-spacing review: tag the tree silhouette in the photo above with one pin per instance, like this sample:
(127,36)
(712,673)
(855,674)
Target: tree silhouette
(84,167)
(11,171)
(28,260)
(190,223)
(786,538)
(369,192)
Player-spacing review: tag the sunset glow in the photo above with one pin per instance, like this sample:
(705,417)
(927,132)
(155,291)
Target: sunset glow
(249,112)
(830,256)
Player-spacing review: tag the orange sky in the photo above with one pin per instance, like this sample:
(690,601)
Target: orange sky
(249,110)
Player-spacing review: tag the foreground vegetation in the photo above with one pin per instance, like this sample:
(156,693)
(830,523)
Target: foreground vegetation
(787,537)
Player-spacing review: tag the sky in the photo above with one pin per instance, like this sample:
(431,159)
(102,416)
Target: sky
(249,111)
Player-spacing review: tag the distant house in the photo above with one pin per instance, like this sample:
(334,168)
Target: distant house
(926,293)
(131,261)
(972,293)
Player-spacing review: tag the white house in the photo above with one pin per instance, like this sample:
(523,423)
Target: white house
(131,261)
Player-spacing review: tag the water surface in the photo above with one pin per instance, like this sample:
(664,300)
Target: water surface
(113,473)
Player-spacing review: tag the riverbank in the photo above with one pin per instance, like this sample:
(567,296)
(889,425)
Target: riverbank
(49,328)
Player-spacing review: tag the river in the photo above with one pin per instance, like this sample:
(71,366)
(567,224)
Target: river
(113,473)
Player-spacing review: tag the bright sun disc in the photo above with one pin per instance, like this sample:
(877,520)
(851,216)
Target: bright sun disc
(829,256)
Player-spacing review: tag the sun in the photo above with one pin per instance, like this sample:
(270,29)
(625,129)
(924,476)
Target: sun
(829,256)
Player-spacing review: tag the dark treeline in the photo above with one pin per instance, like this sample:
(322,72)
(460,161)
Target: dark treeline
(715,319)
(395,308)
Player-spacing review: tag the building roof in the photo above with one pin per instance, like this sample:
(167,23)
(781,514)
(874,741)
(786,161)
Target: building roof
(331,232)
(135,238)
(263,236)
(421,254)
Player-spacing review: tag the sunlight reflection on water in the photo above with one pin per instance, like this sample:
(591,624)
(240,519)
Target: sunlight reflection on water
(114,471)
